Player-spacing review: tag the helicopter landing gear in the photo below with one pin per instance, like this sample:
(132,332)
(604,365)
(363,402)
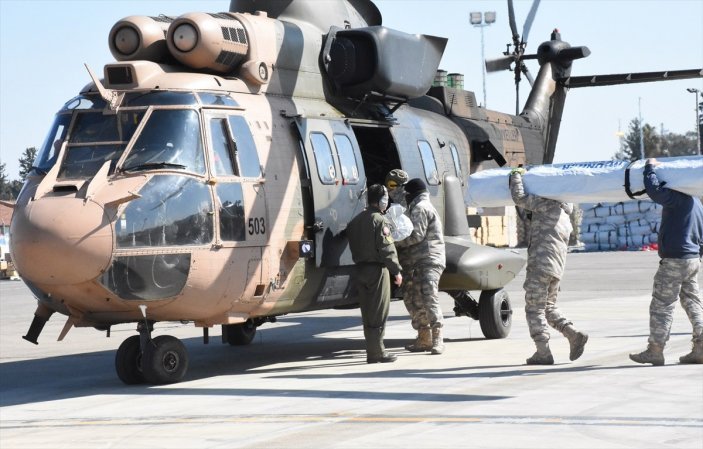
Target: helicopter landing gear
(164,360)
(495,313)
(141,359)
(239,334)
(128,361)
(492,310)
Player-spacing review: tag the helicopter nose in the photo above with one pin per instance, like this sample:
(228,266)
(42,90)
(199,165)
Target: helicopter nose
(61,240)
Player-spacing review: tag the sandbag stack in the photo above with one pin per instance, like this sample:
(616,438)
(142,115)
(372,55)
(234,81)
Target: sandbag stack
(630,225)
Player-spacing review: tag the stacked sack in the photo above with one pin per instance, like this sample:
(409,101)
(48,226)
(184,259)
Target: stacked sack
(630,225)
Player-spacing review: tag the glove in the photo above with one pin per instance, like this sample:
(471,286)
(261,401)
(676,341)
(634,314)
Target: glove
(519,170)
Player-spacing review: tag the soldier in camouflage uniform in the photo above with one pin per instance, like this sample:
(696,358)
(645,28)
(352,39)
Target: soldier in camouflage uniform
(424,250)
(548,240)
(680,250)
(374,254)
(395,180)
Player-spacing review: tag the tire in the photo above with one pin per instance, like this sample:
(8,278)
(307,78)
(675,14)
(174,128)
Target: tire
(128,361)
(495,313)
(165,360)
(239,334)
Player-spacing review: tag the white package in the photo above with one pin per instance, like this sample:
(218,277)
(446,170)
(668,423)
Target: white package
(585,182)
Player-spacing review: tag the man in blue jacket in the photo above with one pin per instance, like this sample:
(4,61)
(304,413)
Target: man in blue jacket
(680,250)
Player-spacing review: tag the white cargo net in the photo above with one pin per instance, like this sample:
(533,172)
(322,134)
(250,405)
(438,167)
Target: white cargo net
(585,182)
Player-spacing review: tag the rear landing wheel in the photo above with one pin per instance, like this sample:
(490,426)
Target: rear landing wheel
(239,334)
(495,313)
(165,360)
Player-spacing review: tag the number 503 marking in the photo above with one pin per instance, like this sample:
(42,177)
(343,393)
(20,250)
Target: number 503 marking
(257,226)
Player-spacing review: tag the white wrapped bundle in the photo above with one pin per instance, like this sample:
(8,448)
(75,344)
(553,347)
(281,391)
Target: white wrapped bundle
(585,182)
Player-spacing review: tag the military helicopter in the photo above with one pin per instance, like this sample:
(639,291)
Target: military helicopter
(209,175)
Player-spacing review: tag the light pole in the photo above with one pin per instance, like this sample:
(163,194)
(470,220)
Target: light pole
(477,20)
(698,119)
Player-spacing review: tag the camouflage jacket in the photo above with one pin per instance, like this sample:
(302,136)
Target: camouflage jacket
(370,240)
(549,229)
(425,246)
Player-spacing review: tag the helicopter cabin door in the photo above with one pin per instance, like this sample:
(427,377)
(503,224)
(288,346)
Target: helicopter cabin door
(336,181)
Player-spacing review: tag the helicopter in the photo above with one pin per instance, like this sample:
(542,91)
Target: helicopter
(209,175)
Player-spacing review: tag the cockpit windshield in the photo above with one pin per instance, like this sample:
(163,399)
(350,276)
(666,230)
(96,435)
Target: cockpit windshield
(170,139)
(94,139)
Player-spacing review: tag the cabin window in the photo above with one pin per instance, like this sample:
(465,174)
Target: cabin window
(457,162)
(428,162)
(172,211)
(347,161)
(155,276)
(244,147)
(223,163)
(231,201)
(96,138)
(170,139)
(323,158)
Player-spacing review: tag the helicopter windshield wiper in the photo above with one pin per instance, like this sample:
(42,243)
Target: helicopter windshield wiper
(153,165)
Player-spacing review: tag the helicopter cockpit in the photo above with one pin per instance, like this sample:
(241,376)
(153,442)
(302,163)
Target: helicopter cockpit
(158,133)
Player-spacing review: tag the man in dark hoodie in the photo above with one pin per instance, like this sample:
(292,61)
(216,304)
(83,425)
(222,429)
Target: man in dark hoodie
(680,250)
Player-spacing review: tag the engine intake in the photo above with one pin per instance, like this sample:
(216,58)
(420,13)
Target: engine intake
(140,37)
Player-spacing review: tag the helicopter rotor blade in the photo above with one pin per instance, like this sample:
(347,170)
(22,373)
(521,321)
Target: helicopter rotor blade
(513,25)
(529,20)
(498,64)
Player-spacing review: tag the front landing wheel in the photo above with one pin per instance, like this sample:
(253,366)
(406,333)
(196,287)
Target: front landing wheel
(495,313)
(165,360)
(128,361)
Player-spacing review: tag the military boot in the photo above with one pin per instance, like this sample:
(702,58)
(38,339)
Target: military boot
(375,352)
(423,342)
(577,341)
(696,354)
(437,341)
(654,355)
(543,356)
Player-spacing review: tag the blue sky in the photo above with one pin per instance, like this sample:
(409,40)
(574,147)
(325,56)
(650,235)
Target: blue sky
(44,44)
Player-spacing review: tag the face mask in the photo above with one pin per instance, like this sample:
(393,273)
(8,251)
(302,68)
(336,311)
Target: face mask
(383,202)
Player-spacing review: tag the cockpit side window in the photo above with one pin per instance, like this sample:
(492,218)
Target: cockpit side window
(49,152)
(170,139)
(222,161)
(245,149)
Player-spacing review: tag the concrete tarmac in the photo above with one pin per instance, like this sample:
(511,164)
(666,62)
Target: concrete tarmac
(304,382)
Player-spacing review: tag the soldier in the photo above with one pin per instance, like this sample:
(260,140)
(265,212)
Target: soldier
(548,240)
(425,253)
(374,254)
(680,250)
(395,180)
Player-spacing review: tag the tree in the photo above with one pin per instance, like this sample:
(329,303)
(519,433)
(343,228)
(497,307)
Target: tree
(655,144)
(27,161)
(5,185)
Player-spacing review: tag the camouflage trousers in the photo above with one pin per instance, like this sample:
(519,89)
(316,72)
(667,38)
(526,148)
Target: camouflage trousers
(675,279)
(421,296)
(541,305)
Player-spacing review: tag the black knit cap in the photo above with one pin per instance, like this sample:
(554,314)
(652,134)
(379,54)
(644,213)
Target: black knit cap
(415,186)
(375,193)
